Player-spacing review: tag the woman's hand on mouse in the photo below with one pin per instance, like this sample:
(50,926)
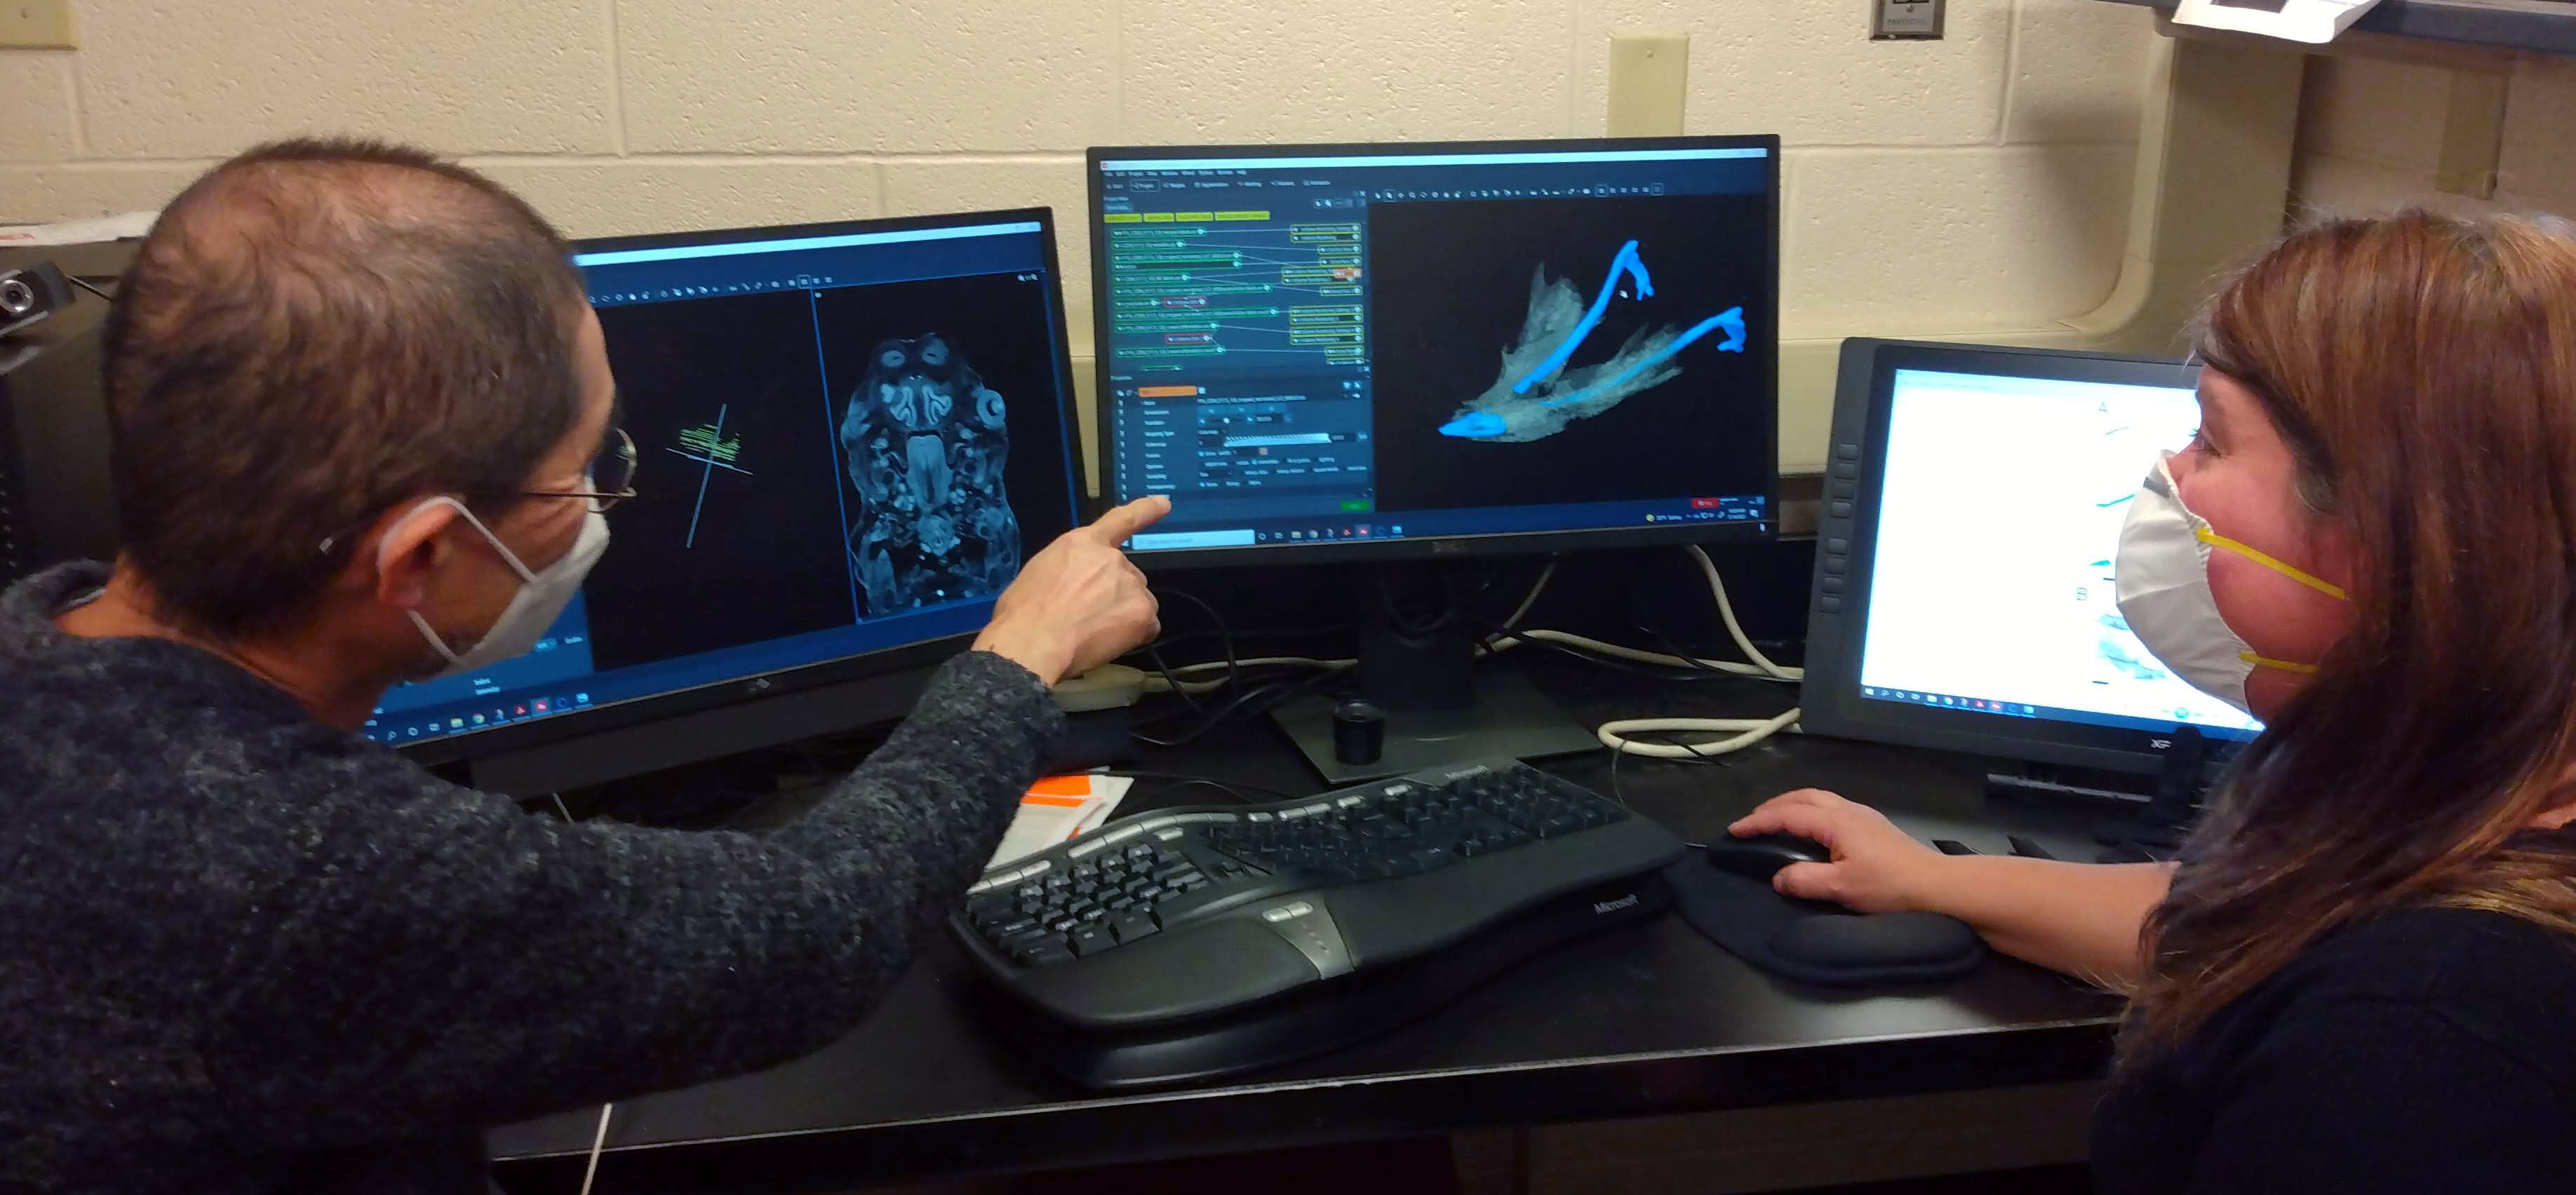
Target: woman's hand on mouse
(1876,867)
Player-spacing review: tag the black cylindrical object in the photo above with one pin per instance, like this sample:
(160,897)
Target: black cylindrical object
(1359,732)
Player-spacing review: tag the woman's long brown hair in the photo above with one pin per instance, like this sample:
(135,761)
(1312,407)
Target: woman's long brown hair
(2423,371)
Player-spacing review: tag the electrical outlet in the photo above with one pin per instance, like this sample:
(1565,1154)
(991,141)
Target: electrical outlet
(1896,20)
(37,25)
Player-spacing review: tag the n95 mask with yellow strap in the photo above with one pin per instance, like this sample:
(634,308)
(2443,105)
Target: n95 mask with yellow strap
(2165,597)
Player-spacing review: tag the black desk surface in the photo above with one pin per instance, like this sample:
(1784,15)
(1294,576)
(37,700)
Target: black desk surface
(1644,1019)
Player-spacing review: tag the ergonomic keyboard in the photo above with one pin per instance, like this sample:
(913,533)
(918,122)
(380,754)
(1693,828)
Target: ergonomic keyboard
(1179,914)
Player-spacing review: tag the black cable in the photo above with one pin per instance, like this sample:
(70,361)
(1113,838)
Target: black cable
(1688,658)
(1273,693)
(1257,634)
(1255,681)
(85,285)
(1233,664)
(1402,622)
(1171,680)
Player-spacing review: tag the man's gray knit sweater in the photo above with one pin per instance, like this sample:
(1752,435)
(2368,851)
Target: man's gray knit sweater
(241,951)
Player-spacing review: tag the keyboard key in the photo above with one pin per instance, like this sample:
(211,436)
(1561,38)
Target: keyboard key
(1091,914)
(1041,954)
(1064,924)
(1119,904)
(1014,928)
(1090,941)
(1132,926)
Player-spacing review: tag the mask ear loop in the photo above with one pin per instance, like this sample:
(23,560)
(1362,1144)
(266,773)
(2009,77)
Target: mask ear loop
(385,546)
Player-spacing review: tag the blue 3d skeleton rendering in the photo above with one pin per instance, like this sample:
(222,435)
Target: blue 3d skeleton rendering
(1537,395)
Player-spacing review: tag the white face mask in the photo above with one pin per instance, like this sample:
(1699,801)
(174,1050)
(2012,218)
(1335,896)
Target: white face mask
(541,596)
(2164,591)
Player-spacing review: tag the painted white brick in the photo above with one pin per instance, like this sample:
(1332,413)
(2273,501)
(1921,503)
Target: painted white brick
(967,184)
(77,192)
(916,76)
(646,195)
(39,124)
(1915,242)
(2079,70)
(1344,70)
(2386,112)
(2539,164)
(177,78)
(1808,71)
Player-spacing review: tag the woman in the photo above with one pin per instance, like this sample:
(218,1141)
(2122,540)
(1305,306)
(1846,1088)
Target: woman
(2363,976)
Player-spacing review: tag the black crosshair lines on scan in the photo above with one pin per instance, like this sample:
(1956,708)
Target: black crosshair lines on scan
(706,445)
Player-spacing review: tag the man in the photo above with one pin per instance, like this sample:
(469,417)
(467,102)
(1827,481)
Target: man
(357,397)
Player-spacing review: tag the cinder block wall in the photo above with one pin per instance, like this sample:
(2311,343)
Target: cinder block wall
(1971,184)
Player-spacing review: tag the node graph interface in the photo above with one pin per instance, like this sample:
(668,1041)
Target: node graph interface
(1328,345)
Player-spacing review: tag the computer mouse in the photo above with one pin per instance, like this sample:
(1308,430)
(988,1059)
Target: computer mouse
(1755,858)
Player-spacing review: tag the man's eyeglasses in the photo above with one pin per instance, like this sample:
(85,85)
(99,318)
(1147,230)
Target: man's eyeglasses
(611,474)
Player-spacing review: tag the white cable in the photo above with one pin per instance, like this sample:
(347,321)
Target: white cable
(1597,647)
(1155,683)
(1761,667)
(1726,610)
(597,1143)
(1544,576)
(1741,732)
(1747,732)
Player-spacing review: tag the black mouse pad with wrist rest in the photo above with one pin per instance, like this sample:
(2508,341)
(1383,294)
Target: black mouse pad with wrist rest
(1812,942)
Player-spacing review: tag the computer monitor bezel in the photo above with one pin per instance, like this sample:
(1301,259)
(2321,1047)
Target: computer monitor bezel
(1414,548)
(1847,541)
(697,710)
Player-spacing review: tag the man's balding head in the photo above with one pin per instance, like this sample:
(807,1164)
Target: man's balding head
(312,332)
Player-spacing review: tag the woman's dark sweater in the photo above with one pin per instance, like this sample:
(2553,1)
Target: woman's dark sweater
(241,951)
(2424,1050)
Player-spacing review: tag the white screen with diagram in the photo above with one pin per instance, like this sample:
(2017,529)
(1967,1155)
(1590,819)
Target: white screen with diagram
(1999,518)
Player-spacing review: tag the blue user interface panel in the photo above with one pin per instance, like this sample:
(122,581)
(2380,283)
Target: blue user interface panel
(848,438)
(2019,617)
(1304,345)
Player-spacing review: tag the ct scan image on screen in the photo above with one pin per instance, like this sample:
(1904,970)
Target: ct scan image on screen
(1567,350)
(924,378)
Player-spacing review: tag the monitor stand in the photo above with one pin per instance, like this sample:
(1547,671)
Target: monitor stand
(1418,663)
(2150,830)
